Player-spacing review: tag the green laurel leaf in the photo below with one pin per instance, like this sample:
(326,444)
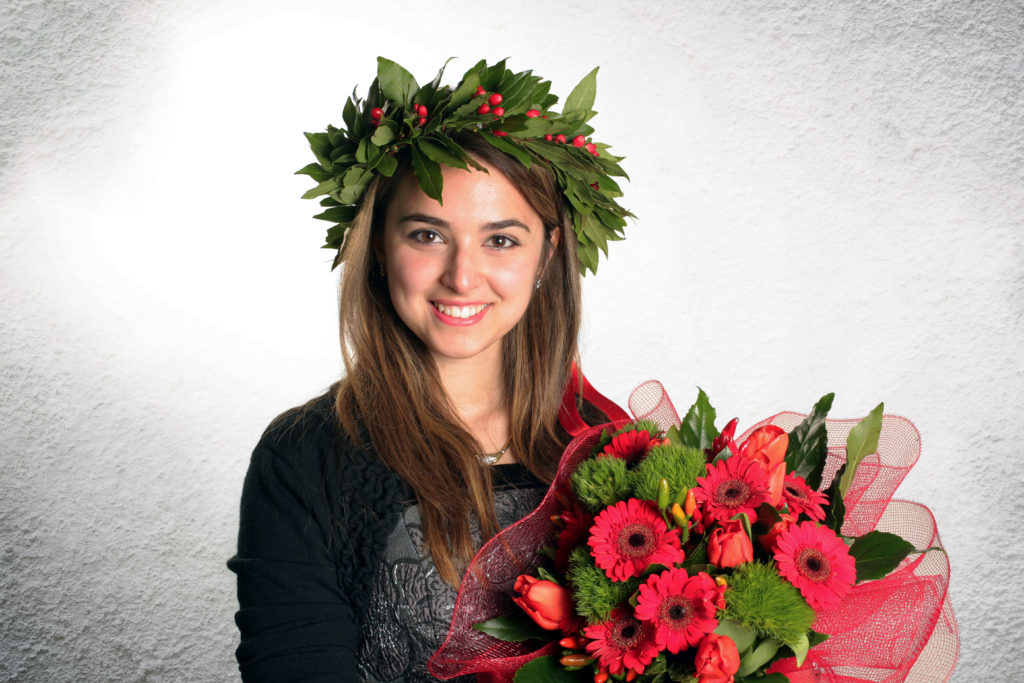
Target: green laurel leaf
(440,154)
(507,147)
(395,82)
(428,173)
(464,93)
(581,100)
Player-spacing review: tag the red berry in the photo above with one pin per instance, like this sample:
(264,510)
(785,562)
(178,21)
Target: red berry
(495,99)
(579,141)
(480,90)
(549,137)
(377,113)
(374,122)
(595,186)
(484,109)
(590,147)
(423,120)
(533,113)
(421,109)
(560,139)
(500,133)
(543,117)
(498,111)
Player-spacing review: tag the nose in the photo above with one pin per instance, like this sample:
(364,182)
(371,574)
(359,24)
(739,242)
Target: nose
(462,271)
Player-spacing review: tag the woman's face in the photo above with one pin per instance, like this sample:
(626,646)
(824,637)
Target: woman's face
(461,273)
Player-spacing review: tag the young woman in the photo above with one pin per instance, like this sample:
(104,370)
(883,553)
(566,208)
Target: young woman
(459,319)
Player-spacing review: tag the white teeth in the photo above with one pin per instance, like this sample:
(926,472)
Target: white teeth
(460,311)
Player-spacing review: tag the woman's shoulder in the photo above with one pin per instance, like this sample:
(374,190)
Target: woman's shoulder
(309,442)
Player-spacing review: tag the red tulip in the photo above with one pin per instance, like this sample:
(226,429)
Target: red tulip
(767,446)
(547,603)
(729,545)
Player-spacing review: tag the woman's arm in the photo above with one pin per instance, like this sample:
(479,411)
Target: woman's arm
(296,619)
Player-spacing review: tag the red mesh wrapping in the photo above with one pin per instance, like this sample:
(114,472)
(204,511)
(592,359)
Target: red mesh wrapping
(883,631)
(486,590)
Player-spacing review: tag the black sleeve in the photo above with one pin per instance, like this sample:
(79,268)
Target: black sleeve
(295,617)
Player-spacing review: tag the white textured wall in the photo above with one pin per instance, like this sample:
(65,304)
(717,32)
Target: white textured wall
(829,198)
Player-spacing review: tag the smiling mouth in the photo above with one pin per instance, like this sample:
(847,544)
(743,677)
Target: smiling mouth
(460,311)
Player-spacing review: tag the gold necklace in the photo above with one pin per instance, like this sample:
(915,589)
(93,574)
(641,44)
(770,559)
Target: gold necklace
(492,458)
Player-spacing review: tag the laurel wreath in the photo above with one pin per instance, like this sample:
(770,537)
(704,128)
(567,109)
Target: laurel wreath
(397,114)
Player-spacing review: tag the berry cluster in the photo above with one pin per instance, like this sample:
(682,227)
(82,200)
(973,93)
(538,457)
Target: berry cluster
(578,141)
(492,105)
(376,114)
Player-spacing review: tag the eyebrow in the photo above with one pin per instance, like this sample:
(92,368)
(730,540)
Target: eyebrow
(488,227)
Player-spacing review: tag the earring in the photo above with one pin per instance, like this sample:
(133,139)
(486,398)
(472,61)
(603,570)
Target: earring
(537,286)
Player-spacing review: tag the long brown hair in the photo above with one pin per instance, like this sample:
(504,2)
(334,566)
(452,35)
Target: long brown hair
(392,388)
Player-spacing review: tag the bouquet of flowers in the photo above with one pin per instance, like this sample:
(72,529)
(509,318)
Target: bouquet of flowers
(685,554)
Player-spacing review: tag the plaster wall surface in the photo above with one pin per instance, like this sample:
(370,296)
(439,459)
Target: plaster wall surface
(828,198)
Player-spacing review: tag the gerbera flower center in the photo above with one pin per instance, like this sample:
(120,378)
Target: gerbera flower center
(732,493)
(636,540)
(813,565)
(676,611)
(627,633)
(795,492)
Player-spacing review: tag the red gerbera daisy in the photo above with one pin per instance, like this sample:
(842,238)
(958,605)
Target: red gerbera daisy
(623,642)
(629,536)
(681,607)
(631,446)
(731,486)
(802,499)
(577,525)
(817,562)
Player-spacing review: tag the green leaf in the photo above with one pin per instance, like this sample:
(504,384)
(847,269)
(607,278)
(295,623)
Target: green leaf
(395,82)
(877,553)
(388,165)
(548,670)
(808,444)
(513,629)
(507,147)
(816,638)
(383,135)
(862,441)
(439,154)
(314,171)
(349,113)
(428,172)
(338,214)
(465,92)
(329,185)
(759,656)
(548,576)
(455,149)
(739,634)
(697,429)
(800,648)
(581,100)
(835,512)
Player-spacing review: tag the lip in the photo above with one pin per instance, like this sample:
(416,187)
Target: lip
(459,322)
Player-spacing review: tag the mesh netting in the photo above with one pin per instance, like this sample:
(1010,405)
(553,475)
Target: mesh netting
(882,631)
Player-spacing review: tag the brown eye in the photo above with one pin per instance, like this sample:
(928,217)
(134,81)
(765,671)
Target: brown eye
(502,242)
(426,236)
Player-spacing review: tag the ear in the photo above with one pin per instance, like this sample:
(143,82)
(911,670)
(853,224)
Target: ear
(553,240)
